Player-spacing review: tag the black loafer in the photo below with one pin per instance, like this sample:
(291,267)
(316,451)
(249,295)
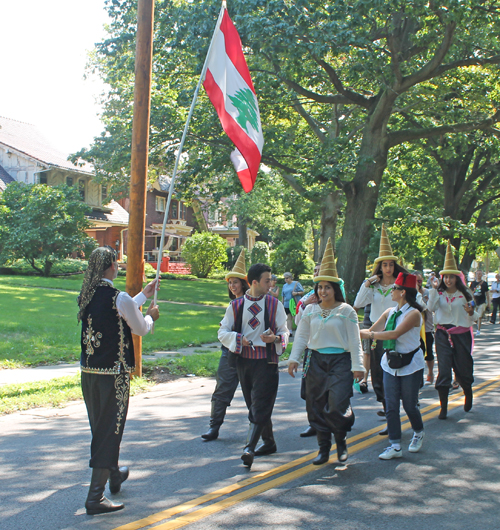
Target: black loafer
(310,431)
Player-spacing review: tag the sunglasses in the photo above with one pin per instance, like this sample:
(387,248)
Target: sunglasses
(395,288)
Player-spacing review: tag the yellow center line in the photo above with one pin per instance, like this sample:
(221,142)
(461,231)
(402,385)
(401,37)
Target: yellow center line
(201,513)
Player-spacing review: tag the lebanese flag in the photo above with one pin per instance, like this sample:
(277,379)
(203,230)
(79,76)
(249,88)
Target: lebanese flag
(230,89)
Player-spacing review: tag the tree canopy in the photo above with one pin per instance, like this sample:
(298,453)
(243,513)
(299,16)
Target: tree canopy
(40,222)
(339,85)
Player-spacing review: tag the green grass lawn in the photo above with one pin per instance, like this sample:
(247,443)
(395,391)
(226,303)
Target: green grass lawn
(206,292)
(39,326)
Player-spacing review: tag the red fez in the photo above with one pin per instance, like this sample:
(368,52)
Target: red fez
(410,281)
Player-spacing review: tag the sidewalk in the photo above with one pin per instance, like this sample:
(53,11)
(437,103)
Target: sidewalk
(45,373)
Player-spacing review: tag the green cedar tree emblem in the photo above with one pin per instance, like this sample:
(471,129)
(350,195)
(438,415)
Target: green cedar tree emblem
(244,101)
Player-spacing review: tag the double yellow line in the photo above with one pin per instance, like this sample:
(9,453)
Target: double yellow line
(368,438)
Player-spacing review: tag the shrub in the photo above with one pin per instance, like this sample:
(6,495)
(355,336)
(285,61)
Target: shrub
(205,252)
(260,253)
(292,256)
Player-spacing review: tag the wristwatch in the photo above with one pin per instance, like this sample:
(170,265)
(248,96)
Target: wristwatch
(277,340)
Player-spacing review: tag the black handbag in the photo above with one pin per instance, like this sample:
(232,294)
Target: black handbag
(398,360)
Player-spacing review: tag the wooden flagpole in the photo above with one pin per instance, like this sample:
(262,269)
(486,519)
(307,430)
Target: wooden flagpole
(139,160)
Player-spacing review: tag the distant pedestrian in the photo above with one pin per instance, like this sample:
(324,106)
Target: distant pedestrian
(227,375)
(109,317)
(274,289)
(330,332)
(453,314)
(495,298)
(479,289)
(429,330)
(290,290)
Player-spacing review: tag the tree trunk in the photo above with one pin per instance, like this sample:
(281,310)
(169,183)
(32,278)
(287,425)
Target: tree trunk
(329,215)
(47,268)
(361,202)
(242,232)
(316,235)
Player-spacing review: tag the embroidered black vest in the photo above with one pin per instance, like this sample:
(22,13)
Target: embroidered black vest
(106,340)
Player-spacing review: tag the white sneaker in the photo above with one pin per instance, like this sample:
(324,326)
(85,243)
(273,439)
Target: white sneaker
(477,333)
(416,442)
(390,452)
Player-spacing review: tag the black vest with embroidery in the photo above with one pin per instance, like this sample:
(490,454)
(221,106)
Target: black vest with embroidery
(106,340)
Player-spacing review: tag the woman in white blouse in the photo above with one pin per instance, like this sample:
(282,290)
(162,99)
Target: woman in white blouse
(398,331)
(454,314)
(330,332)
(376,291)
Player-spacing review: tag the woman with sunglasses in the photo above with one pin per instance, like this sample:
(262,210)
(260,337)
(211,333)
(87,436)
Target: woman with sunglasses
(454,314)
(398,329)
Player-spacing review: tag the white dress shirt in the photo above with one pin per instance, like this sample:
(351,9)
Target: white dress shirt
(128,309)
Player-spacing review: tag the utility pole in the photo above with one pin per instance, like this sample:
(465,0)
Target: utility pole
(139,160)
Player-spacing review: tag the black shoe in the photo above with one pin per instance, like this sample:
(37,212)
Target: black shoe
(96,501)
(322,458)
(468,399)
(381,413)
(211,434)
(310,431)
(117,475)
(384,432)
(363,386)
(247,457)
(104,505)
(266,449)
(342,453)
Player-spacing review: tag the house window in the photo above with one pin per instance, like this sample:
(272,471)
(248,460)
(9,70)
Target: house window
(160,203)
(69,181)
(81,188)
(174,210)
(104,194)
(42,178)
(183,210)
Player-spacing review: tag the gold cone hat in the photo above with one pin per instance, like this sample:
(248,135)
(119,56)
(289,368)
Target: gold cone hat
(328,269)
(450,265)
(385,250)
(239,269)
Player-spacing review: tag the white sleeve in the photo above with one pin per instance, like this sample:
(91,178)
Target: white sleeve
(281,329)
(433,303)
(229,338)
(364,296)
(354,341)
(128,309)
(301,338)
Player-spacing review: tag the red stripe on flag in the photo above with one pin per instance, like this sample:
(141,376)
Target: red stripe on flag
(246,180)
(240,139)
(234,49)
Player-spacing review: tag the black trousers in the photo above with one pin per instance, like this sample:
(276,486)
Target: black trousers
(458,358)
(495,303)
(259,383)
(329,391)
(376,370)
(227,380)
(106,398)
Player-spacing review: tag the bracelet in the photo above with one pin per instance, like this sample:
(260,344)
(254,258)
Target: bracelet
(372,336)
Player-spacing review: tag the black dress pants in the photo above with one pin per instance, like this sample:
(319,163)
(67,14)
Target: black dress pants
(377,373)
(227,380)
(106,398)
(457,357)
(329,391)
(259,383)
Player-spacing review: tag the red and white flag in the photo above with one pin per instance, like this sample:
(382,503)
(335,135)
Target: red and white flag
(230,89)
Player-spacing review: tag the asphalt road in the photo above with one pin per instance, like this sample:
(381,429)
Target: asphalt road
(453,483)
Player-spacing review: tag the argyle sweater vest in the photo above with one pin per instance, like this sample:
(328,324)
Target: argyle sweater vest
(106,340)
(271,307)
